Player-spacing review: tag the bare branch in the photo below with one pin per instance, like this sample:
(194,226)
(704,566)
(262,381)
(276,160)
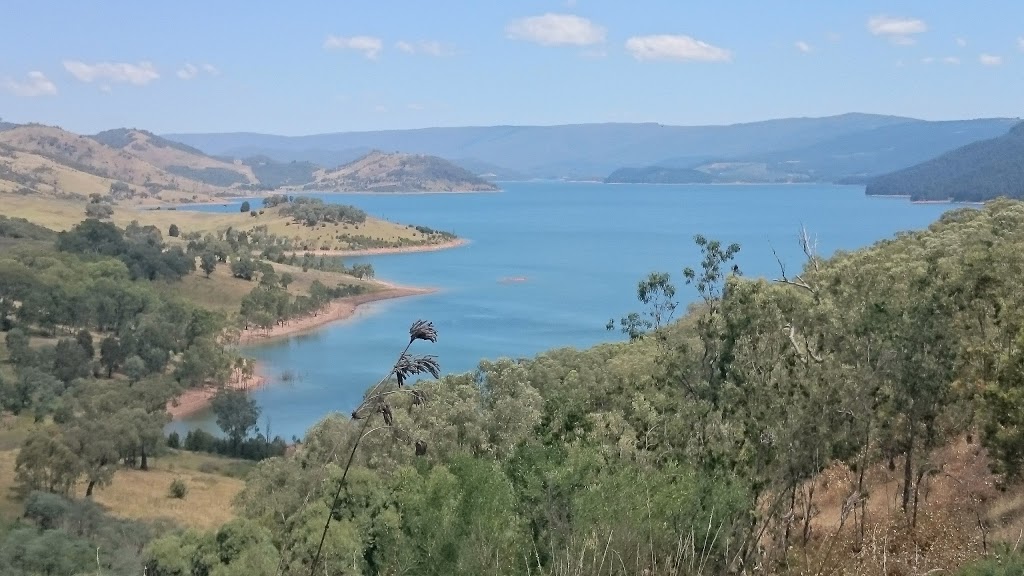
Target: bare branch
(802,353)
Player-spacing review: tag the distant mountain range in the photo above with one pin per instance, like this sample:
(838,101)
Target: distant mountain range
(847,147)
(972,173)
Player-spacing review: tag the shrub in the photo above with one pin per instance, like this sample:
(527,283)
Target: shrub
(173,231)
(174,440)
(245,206)
(178,489)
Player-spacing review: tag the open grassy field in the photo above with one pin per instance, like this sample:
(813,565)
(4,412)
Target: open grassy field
(62,214)
(212,484)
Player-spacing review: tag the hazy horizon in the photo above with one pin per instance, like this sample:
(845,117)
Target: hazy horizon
(390,66)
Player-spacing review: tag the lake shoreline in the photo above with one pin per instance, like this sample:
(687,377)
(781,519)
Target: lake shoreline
(457,243)
(337,311)
(195,400)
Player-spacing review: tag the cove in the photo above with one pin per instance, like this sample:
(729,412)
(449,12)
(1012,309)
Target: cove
(547,265)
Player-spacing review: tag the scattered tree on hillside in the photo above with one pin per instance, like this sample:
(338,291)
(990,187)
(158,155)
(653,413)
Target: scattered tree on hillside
(236,413)
(98,211)
(173,231)
(208,263)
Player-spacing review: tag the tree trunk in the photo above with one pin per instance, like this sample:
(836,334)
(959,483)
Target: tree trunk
(908,468)
(145,460)
(88,489)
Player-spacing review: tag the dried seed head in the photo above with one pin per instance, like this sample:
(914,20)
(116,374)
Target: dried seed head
(421,448)
(422,330)
(419,397)
(389,418)
(410,365)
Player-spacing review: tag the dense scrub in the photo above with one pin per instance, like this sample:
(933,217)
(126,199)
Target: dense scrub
(693,449)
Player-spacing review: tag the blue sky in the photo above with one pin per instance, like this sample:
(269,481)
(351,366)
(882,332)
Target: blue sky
(310,67)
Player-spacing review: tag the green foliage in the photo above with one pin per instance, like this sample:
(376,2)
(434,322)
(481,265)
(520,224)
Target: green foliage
(236,413)
(98,211)
(23,229)
(140,248)
(244,267)
(269,304)
(313,211)
(208,263)
(173,231)
(57,536)
(255,448)
(178,489)
(245,206)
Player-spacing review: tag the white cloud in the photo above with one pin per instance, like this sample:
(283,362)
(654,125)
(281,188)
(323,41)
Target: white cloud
(37,84)
(990,60)
(368,45)
(897,30)
(190,71)
(187,72)
(803,46)
(118,72)
(428,47)
(961,42)
(949,60)
(675,47)
(556,29)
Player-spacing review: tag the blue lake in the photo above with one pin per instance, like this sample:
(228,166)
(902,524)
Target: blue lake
(581,248)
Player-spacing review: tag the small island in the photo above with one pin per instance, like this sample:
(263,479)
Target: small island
(382,172)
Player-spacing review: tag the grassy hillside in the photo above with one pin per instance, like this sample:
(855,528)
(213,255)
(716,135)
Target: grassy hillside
(380,172)
(973,173)
(62,213)
(87,155)
(176,158)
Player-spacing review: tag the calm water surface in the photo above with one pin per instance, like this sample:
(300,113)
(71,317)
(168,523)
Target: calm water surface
(581,247)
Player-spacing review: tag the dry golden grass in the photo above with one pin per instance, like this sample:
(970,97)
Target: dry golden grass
(167,156)
(66,178)
(62,214)
(139,495)
(961,515)
(74,149)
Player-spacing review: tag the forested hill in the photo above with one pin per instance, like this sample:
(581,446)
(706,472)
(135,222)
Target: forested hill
(380,172)
(973,173)
(658,175)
